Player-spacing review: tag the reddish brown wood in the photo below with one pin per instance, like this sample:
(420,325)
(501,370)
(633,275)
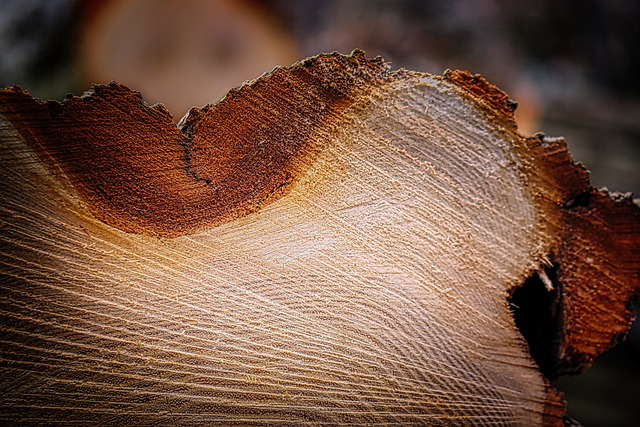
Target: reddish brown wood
(599,270)
(230,158)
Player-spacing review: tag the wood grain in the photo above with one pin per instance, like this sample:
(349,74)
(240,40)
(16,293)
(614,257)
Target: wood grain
(335,245)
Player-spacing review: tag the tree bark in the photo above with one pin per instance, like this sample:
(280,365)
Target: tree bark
(334,242)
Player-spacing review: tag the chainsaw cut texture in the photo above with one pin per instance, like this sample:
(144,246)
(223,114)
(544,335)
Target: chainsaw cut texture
(333,243)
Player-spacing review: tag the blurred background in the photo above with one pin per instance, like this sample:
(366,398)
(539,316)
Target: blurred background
(570,64)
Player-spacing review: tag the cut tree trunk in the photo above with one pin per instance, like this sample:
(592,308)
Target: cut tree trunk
(333,243)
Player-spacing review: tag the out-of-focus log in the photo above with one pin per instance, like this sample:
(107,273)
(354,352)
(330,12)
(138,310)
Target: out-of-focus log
(332,243)
(179,52)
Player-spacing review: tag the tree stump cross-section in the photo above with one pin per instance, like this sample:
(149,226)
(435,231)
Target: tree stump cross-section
(332,243)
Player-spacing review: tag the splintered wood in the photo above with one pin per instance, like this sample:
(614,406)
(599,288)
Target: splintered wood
(333,243)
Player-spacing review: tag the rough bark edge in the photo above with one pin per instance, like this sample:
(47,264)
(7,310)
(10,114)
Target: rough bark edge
(490,98)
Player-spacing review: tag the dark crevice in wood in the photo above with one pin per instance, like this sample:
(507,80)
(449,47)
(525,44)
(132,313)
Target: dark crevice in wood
(538,313)
(188,161)
(581,200)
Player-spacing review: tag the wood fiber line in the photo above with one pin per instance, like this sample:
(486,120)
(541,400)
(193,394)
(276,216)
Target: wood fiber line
(331,244)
